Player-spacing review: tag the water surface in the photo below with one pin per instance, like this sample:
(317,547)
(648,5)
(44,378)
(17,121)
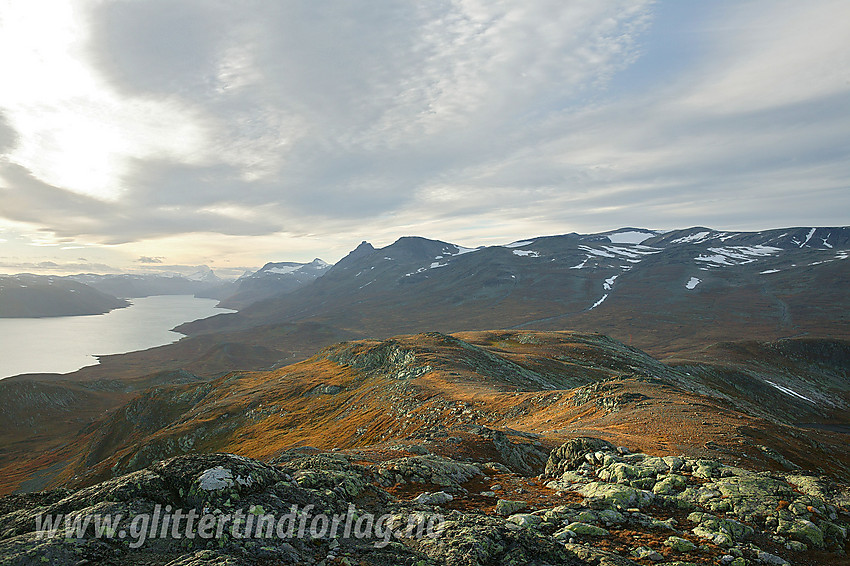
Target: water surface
(68,343)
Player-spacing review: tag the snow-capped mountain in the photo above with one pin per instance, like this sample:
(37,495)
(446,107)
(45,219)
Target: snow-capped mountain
(272,279)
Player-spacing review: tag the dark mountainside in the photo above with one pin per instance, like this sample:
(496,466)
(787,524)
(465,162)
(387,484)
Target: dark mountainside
(710,428)
(35,296)
(272,279)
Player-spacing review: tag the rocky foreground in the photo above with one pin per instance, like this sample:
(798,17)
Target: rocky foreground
(594,504)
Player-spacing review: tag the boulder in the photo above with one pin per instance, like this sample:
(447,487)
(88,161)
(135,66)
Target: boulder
(587,530)
(571,454)
(680,544)
(601,495)
(506,507)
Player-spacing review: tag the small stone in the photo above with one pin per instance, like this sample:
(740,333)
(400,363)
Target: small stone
(525,520)
(642,553)
(796,546)
(768,558)
(506,507)
(588,530)
(436,498)
(680,544)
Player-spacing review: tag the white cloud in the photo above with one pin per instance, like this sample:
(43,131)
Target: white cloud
(782,53)
(73,130)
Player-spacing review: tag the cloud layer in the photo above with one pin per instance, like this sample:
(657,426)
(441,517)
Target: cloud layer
(333,122)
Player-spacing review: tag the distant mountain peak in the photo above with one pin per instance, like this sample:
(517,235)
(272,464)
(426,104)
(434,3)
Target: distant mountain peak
(203,273)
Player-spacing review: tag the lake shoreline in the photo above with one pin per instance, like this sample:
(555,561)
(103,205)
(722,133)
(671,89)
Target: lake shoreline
(55,346)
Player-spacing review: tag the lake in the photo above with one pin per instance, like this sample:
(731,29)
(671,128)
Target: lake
(68,343)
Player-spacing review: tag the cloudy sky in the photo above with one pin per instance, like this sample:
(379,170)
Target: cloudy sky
(158,133)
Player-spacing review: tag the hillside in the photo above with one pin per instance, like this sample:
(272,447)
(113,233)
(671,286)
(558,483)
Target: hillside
(570,444)
(552,385)
(26,295)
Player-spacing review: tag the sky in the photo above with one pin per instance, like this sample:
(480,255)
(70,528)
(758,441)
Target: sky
(165,134)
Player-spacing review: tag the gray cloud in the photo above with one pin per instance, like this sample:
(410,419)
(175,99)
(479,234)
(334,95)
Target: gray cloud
(148,259)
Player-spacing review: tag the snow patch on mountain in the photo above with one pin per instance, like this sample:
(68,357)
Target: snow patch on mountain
(630,237)
(692,283)
(526,253)
(809,237)
(283,270)
(788,391)
(737,255)
(596,252)
(462,250)
(692,239)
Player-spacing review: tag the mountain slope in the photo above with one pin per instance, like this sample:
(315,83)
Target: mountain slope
(550,385)
(44,296)
(273,279)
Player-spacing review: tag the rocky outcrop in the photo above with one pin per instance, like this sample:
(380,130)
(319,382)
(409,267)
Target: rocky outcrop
(730,507)
(683,511)
(571,454)
(427,470)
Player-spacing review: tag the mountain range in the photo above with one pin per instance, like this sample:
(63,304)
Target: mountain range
(667,293)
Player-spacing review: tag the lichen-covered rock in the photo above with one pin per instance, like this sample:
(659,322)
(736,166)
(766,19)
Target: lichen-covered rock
(477,540)
(506,507)
(680,544)
(802,530)
(620,472)
(768,558)
(221,484)
(436,498)
(587,530)
(670,484)
(569,455)
(600,495)
(589,554)
(755,496)
(722,532)
(645,553)
(426,469)
(521,456)
(525,520)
